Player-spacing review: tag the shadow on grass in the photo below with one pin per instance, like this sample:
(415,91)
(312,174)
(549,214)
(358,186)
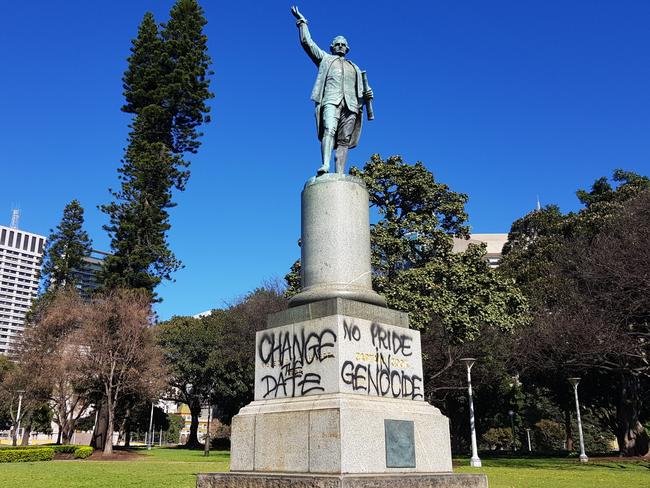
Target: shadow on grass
(557,462)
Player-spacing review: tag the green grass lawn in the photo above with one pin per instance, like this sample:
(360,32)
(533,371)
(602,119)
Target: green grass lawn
(158,468)
(177,468)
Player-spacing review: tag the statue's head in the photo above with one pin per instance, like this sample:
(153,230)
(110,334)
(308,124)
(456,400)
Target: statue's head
(339,46)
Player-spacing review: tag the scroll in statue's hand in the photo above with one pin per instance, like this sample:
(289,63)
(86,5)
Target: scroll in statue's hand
(368,94)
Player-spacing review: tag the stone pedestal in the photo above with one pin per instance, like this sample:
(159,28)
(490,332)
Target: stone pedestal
(339,433)
(335,241)
(339,394)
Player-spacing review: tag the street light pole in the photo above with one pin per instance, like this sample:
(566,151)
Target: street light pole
(20,404)
(474,461)
(206,447)
(583,457)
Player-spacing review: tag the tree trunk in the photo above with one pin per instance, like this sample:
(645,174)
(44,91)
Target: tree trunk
(108,444)
(27,431)
(126,427)
(127,436)
(631,435)
(567,429)
(193,439)
(99,434)
(68,427)
(68,432)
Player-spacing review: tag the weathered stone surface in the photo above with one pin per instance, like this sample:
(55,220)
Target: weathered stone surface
(335,242)
(285,442)
(340,433)
(324,441)
(338,354)
(242,441)
(288,480)
(338,306)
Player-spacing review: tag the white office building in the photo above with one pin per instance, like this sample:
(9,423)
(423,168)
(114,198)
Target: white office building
(493,242)
(21,253)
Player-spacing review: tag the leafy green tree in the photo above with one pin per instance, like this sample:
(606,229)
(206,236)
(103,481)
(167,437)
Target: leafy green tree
(211,358)
(418,216)
(173,433)
(5,400)
(139,218)
(142,78)
(293,279)
(67,246)
(188,344)
(459,293)
(166,88)
(187,69)
(413,262)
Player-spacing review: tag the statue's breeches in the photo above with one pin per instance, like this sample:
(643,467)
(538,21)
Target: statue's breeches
(338,121)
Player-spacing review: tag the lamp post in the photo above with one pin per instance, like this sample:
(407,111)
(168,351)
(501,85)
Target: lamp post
(20,404)
(511,414)
(206,446)
(583,457)
(475,461)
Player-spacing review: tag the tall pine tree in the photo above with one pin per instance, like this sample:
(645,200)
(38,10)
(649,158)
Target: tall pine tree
(67,247)
(166,88)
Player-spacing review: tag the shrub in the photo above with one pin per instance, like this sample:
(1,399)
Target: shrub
(499,438)
(78,452)
(82,452)
(26,455)
(65,449)
(549,435)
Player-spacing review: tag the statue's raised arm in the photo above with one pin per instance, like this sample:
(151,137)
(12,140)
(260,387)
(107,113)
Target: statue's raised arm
(339,95)
(311,48)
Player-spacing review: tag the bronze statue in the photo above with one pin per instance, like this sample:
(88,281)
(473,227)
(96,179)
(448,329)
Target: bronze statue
(339,93)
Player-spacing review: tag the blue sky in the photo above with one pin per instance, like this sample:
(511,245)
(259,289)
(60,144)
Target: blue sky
(502,100)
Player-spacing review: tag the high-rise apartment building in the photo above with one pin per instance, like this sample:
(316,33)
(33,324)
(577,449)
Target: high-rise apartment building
(21,253)
(87,278)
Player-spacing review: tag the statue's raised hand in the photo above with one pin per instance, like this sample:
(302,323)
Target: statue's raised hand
(296,13)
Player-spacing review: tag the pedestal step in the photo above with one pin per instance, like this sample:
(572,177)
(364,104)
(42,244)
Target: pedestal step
(289,480)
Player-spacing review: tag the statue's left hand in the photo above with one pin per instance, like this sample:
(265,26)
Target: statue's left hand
(368,94)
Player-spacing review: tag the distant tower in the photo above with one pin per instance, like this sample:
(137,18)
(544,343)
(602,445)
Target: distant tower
(539,205)
(15,218)
(21,253)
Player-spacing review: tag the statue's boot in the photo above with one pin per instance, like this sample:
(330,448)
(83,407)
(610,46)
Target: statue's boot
(327,144)
(341,159)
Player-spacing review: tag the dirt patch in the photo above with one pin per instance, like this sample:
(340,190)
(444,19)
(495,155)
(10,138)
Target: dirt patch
(118,455)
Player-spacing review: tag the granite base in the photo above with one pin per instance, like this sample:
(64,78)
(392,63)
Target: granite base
(290,480)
